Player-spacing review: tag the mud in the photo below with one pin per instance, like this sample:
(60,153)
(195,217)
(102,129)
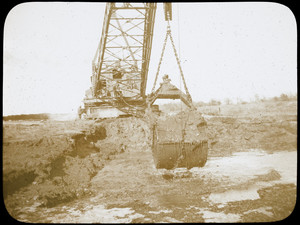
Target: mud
(267,195)
(103,171)
(187,126)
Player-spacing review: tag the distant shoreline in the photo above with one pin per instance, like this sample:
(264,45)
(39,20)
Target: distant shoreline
(40,116)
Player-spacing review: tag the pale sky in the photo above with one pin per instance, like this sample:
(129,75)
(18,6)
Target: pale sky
(227,50)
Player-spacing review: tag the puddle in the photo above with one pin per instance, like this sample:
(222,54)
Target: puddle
(263,210)
(235,195)
(244,166)
(161,211)
(220,217)
(168,219)
(98,214)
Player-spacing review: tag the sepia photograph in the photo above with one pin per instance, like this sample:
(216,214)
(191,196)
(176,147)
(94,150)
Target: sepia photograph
(167,112)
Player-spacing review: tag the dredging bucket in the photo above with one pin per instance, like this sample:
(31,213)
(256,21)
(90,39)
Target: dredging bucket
(176,154)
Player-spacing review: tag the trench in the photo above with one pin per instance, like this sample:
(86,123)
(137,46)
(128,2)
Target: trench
(68,171)
(81,148)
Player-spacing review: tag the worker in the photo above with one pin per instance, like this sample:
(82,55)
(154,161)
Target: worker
(116,71)
(117,74)
(117,91)
(102,92)
(80,112)
(166,78)
(98,88)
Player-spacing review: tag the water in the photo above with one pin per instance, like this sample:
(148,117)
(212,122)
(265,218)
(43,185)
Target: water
(99,214)
(219,217)
(235,195)
(244,166)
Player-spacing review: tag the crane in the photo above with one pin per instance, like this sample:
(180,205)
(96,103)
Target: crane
(120,71)
(121,63)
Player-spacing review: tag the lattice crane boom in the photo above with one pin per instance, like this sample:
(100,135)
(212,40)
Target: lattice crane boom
(125,44)
(121,63)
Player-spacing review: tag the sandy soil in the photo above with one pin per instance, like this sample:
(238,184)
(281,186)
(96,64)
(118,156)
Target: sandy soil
(103,171)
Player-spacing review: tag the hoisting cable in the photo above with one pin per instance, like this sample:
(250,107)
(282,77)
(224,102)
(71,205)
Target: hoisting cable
(168,34)
(183,123)
(161,57)
(181,73)
(178,29)
(178,34)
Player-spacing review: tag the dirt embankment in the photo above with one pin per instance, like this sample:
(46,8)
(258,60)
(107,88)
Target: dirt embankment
(232,134)
(53,161)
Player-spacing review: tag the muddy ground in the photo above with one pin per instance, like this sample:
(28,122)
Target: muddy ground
(103,171)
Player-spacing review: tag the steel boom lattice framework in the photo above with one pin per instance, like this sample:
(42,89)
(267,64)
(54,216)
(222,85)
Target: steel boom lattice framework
(120,65)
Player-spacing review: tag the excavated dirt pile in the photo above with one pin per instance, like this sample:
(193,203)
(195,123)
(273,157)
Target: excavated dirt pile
(53,161)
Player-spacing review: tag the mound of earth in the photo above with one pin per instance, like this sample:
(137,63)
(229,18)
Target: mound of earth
(229,134)
(54,162)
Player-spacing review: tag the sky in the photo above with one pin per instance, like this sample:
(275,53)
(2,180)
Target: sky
(227,50)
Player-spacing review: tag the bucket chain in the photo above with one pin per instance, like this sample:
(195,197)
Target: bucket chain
(177,60)
(181,73)
(161,57)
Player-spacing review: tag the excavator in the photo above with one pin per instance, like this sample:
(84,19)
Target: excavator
(119,78)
